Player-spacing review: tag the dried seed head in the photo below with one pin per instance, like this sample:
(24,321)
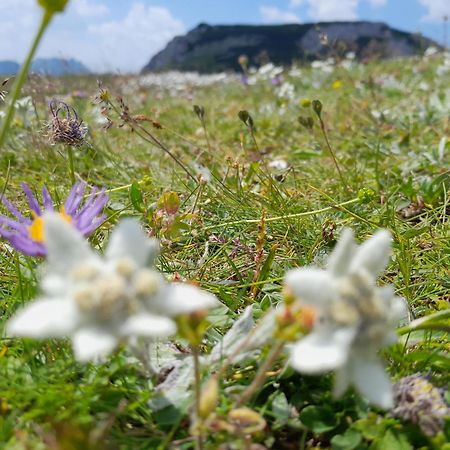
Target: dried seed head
(66,127)
(418,401)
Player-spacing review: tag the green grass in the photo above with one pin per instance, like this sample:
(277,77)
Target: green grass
(47,400)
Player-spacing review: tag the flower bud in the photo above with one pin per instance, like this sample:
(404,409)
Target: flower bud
(246,421)
(208,398)
(305,102)
(53,6)
(317,107)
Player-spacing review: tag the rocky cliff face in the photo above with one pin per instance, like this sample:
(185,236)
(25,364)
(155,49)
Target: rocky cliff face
(216,48)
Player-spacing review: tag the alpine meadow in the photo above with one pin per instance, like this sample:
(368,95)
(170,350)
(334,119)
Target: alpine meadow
(241,260)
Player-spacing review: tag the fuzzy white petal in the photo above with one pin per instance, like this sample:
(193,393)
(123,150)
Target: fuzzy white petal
(148,325)
(45,319)
(373,255)
(92,344)
(66,246)
(53,285)
(340,258)
(128,240)
(370,379)
(341,381)
(311,286)
(399,311)
(322,352)
(182,298)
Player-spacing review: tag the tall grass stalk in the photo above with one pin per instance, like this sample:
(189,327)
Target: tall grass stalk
(20,80)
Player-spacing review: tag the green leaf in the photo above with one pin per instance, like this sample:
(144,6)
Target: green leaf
(136,197)
(169,202)
(347,441)
(168,416)
(373,427)
(393,440)
(281,409)
(318,419)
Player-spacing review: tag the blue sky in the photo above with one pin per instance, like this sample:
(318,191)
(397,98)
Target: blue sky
(122,35)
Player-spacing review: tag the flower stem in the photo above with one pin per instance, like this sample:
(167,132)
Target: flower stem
(197,382)
(261,374)
(20,80)
(330,149)
(71,164)
(287,216)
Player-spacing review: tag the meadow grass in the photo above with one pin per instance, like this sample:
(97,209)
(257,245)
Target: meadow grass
(273,200)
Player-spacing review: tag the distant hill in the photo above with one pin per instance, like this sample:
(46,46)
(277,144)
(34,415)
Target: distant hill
(47,66)
(8,67)
(209,48)
(57,67)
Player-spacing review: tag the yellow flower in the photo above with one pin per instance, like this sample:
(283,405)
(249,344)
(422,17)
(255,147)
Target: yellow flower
(337,84)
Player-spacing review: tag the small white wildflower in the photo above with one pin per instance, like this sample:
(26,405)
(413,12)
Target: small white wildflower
(203,173)
(278,164)
(355,318)
(98,302)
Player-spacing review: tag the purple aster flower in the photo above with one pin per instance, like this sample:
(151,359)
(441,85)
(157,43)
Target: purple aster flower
(27,234)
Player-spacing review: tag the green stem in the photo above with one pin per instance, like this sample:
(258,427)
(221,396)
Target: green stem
(333,156)
(430,322)
(71,164)
(261,375)
(197,382)
(20,80)
(287,216)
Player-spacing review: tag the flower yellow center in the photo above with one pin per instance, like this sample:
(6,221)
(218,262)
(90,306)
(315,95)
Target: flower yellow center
(36,229)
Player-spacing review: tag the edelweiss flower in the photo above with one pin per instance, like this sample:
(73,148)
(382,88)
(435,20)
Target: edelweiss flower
(27,234)
(100,301)
(355,318)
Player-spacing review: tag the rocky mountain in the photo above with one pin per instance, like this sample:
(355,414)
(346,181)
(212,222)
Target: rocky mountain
(47,66)
(209,48)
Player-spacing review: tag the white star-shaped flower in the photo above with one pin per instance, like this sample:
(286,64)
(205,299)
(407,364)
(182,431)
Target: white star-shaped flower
(355,318)
(100,301)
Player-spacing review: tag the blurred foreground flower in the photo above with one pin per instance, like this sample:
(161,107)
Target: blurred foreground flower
(355,318)
(27,234)
(98,302)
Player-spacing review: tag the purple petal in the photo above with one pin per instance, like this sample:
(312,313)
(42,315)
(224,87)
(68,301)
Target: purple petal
(47,199)
(11,223)
(89,229)
(34,205)
(27,246)
(13,210)
(88,214)
(75,197)
(90,201)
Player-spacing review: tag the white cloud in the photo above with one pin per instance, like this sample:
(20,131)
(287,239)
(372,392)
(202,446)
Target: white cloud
(130,42)
(82,32)
(324,10)
(88,9)
(436,10)
(17,15)
(271,14)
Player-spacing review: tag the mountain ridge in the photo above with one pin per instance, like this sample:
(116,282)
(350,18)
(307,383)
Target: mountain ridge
(212,48)
(47,66)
